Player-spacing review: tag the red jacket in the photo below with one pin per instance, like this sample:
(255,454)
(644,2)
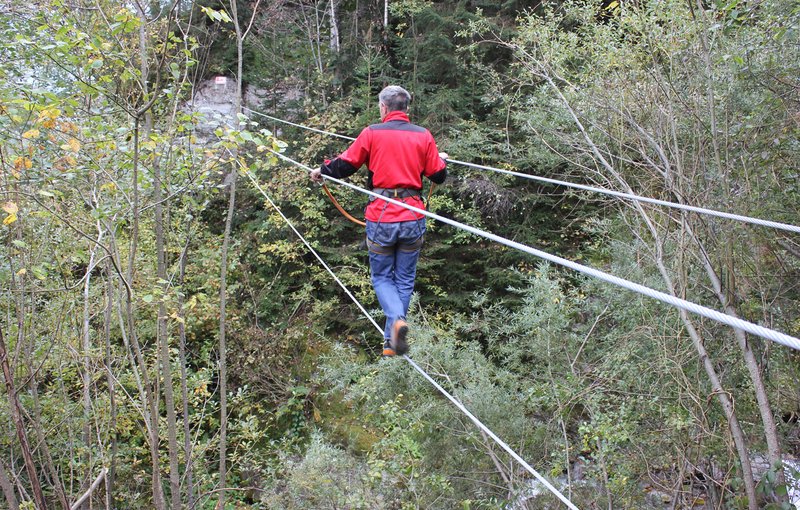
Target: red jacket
(397,153)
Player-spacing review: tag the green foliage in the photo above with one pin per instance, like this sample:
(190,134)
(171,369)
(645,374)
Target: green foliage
(583,380)
(326,477)
(591,365)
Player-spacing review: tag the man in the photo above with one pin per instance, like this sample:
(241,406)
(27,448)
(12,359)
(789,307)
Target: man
(398,153)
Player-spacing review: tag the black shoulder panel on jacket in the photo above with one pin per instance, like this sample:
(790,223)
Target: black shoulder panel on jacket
(397,125)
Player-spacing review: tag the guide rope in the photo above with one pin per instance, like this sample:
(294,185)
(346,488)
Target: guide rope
(628,196)
(735,322)
(416,367)
(339,207)
(301,126)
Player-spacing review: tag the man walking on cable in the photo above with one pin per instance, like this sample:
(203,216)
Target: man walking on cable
(397,153)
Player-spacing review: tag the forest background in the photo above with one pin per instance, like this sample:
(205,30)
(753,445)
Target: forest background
(167,341)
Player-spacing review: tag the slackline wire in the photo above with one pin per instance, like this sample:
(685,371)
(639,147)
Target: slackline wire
(735,322)
(424,374)
(298,125)
(675,205)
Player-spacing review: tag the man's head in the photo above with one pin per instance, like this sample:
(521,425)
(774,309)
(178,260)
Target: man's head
(393,98)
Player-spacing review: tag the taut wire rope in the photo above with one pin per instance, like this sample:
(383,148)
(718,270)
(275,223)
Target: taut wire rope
(416,367)
(301,126)
(628,196)
(735,322)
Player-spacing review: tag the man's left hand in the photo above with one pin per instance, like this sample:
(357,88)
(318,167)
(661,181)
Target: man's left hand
(444,155)
(316,175)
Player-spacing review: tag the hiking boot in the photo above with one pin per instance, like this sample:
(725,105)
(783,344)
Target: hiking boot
(398,340)
(388,352)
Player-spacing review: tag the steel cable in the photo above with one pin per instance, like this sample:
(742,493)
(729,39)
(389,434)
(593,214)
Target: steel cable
(301,126)
(735,322)
(628,196)
(416,367)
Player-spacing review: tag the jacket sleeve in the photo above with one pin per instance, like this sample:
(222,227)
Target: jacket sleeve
(338,168)
(435,167)
(350,160)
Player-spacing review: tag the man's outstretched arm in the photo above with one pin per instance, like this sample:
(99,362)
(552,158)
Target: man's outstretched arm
(348,162)
(337,168)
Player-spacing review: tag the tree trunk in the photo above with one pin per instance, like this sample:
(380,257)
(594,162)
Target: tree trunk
(152,394)
(86,378)
(223,368)
(107,318)
(762,398)
(725,402)
(231,178)
(162,339)
(36,421)
(334,28)
(151,407)
(55,478)
(8,488)
(187,436)
(386,26)
(16,415)
(86,497)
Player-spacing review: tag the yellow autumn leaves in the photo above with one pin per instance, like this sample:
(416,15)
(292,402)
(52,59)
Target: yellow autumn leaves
(47,119)
(11,209)
(20,163)
(48,116)
(72,145)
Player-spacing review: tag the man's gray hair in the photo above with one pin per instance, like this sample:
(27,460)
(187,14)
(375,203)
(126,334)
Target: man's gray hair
(395,98)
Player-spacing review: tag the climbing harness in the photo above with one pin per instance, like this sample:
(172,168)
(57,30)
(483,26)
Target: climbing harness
(396,193)
(392,193)
(389,250)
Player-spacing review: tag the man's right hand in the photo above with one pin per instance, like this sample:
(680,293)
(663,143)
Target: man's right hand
(444,155)
(316,175)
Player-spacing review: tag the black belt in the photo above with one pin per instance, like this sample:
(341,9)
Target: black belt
(394,193)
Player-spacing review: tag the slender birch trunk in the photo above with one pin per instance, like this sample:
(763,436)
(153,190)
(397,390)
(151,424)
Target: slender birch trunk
(86,345)
(223,280)
(152,394)
(162,339)
(231,179)
(335,45)
(187,436)
(15,407)
(108,316)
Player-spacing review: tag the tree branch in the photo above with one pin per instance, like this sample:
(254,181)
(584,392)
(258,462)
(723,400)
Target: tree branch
(88,493)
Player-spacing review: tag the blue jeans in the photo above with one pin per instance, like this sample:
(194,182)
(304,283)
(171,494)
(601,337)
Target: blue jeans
(393,254)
